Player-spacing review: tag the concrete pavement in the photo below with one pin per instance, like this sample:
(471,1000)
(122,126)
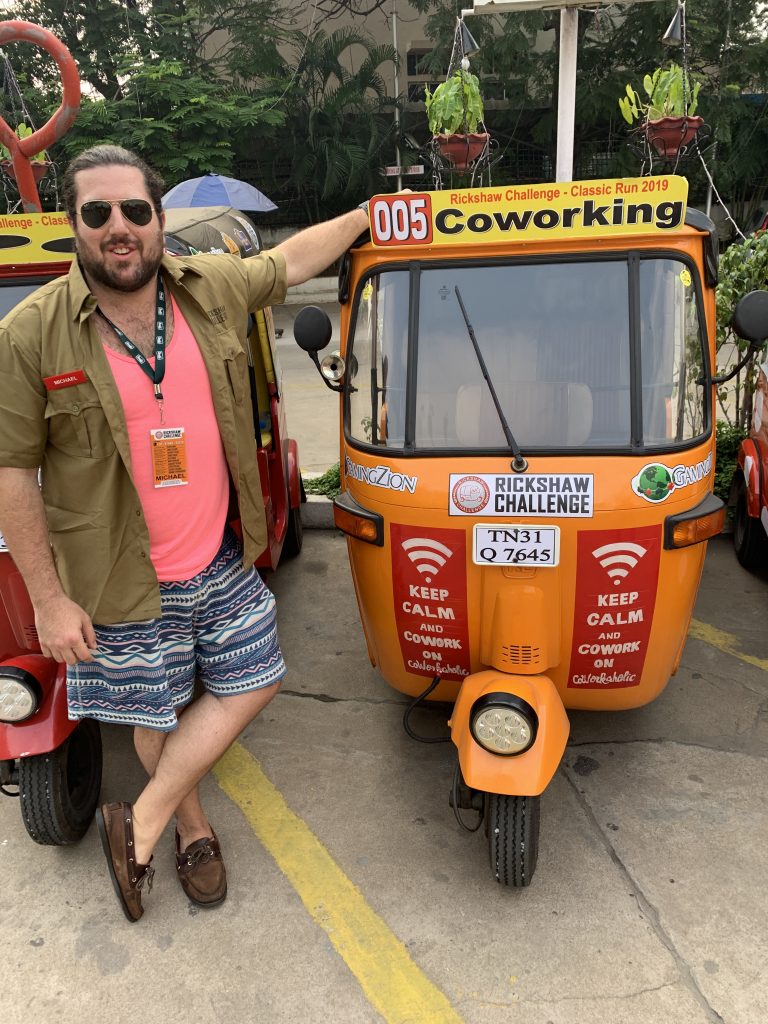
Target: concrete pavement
(649,905)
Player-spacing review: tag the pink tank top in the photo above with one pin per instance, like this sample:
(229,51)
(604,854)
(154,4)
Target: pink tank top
(185,523)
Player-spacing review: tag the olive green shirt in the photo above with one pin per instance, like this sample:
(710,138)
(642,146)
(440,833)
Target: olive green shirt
(77,435)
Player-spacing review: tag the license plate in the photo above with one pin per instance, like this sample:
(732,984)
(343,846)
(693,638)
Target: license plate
(516,545)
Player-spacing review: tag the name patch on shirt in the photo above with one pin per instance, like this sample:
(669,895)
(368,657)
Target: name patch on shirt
(65,380)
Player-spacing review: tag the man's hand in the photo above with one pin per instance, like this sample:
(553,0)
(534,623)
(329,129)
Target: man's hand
(64,630)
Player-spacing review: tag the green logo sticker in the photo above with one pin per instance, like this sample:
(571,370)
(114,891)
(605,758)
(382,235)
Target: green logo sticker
(654,482)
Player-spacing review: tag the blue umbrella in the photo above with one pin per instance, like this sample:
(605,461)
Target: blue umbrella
(218,190)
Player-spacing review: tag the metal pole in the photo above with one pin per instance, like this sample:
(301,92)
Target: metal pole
(566,97)
(397,96)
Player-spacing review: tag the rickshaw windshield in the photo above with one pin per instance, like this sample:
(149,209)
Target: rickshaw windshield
(597,354)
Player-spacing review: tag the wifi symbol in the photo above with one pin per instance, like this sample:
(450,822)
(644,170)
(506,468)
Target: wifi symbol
(618,559)
(429,556)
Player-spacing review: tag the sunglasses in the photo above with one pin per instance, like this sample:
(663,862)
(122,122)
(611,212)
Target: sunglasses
(97,212)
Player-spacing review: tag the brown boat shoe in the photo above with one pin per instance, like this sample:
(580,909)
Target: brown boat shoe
(115,822)
(201,871)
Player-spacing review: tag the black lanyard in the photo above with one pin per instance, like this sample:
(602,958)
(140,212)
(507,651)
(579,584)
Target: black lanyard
(155,375)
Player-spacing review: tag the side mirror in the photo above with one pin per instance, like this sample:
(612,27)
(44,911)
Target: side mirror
(750,318)
(749,321)
(312,329)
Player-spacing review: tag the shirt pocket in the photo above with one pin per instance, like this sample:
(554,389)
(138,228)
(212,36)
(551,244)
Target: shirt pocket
(77,425)
(236,363)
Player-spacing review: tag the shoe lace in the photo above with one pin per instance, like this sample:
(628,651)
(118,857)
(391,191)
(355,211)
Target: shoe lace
(200,856)
(146,878)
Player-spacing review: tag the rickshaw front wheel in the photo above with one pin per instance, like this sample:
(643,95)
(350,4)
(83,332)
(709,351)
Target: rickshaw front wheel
(749,539)
(512,827)
(59,790)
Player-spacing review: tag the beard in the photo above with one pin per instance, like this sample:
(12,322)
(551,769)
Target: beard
(122,279)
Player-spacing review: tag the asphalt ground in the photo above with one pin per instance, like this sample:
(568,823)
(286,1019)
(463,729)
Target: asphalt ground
(355,897)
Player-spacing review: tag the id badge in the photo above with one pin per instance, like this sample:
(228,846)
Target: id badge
(169,457)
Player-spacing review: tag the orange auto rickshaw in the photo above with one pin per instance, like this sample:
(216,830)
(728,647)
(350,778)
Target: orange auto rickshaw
(527,459)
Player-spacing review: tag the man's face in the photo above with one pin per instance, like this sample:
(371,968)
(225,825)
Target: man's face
(120,255)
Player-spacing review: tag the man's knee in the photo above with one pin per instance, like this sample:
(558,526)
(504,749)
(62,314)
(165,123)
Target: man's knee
(248,705)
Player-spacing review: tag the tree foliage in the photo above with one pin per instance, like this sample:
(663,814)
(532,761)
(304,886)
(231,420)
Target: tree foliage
(339,125)
(157,78)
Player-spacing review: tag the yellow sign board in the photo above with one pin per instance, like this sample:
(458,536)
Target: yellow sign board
(508,213)
(34,238)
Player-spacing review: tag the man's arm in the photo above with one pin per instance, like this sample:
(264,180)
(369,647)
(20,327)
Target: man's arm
(312,250)
(64,630)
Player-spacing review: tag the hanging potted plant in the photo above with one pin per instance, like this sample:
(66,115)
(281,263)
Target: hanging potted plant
(668,117)
(39,162)
(455,113)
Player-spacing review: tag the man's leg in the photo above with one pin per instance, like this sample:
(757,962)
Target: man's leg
(191,820)
(206,730)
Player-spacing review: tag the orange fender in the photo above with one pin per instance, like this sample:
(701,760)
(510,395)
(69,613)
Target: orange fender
(526,774)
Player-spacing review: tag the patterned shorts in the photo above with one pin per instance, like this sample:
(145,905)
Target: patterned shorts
(218,627)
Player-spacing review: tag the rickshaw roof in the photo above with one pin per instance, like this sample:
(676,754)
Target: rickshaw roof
(39,240)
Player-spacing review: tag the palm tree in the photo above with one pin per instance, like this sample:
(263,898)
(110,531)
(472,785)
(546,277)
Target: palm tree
(339,124)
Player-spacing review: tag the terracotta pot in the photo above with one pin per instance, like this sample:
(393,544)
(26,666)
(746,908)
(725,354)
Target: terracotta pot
(39,168)
(462,150)
(668,135)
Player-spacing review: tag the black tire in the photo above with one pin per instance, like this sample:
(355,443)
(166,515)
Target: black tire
(59,791)
(512,826)
(749,538)
(294,535)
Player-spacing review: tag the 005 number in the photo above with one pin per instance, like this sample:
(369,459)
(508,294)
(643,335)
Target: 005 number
(401,220)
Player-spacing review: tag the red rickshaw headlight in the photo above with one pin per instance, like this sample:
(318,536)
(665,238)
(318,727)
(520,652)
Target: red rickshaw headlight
(20,694)
(503,724)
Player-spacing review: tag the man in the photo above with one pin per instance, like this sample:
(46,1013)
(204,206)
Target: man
(136,582)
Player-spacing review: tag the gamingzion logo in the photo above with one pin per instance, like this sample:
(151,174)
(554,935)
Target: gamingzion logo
(656,482)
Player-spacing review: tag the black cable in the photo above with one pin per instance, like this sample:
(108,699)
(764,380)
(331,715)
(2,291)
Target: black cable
(409,709)
(455,802)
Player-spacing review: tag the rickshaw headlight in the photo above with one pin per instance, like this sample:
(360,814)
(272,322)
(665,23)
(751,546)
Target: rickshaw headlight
(503,724)
(20,694)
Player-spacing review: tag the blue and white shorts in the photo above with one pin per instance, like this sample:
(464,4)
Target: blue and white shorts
(218,626)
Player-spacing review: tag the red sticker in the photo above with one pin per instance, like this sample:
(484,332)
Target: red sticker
(429,581)
(65,380)
(617,573)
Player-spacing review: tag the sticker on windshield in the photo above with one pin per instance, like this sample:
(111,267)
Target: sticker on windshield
(655,482)
(570,495)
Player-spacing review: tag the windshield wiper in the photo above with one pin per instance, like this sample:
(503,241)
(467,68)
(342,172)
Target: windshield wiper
(519,463)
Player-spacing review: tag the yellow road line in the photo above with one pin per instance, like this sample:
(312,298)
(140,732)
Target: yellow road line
(390,980)
(724,641)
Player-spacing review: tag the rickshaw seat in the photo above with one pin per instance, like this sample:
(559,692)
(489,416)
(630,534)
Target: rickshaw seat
(546,413)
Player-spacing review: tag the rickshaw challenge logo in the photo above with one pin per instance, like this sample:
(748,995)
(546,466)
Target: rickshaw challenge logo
(570,495)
